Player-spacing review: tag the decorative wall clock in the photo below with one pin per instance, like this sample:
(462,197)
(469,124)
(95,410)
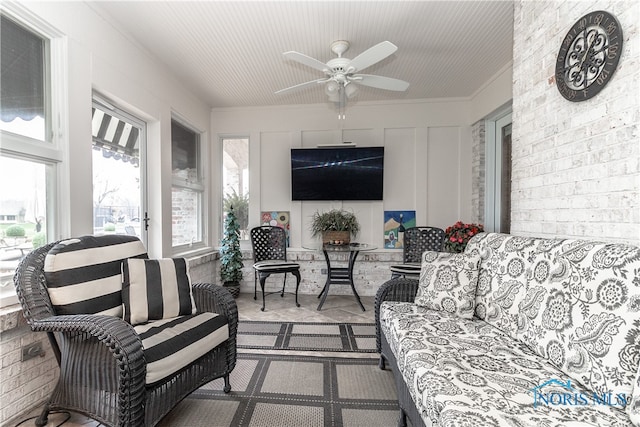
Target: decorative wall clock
(588,56)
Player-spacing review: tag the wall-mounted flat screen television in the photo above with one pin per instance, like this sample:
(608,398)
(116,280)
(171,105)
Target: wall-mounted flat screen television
(353,173)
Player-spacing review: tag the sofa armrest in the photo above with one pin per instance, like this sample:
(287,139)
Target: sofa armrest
(399,289)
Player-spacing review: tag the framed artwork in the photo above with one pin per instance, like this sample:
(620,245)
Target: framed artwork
(278,219)
(395,222)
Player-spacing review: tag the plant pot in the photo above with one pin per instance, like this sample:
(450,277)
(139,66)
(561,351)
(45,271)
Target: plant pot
(336,237)
(233,288)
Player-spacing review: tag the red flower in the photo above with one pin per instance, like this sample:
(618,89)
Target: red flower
(459,234)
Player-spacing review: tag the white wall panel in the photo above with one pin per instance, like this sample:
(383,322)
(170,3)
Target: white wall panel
(275,176)
(400,168)
(443,176)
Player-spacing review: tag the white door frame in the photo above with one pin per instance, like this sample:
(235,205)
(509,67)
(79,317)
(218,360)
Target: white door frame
(493,167)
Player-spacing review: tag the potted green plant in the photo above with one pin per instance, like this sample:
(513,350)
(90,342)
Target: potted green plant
(230,254)
(335,226)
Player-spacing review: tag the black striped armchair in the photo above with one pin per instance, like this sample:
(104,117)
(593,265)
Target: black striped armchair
(118,372)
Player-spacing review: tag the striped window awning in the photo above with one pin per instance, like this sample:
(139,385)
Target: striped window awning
(116,138)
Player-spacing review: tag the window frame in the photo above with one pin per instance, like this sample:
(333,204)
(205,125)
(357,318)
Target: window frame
(245,242)
(199,186)
(102,103)
(52,151)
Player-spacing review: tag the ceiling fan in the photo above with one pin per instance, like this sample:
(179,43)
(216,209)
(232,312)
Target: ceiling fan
(342,74)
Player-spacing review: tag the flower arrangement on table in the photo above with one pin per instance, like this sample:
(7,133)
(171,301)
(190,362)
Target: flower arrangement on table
(458,235)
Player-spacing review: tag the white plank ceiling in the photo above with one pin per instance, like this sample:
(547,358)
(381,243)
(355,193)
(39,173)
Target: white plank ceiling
(230,52)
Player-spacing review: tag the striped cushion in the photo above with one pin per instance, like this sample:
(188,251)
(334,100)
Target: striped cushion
(171,344)
(275,265)
(155,289)
(409,268)
(84,274)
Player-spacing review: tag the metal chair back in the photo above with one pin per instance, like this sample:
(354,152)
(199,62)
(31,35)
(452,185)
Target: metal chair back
(417,240)
(268,243)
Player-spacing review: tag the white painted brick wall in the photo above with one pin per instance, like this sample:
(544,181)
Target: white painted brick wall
(478,172)
(575,165)
(370,271)
(23,385)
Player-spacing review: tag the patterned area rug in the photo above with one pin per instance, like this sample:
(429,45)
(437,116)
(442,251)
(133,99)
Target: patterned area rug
(353,337)
(286,391)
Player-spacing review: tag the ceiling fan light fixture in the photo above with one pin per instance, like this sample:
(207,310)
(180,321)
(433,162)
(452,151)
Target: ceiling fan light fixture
(350,90)
(341,81)
(332,88)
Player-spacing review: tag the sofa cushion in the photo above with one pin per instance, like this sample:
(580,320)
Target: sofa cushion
(84,274)
(448,282)
(466,372)
(171,344)
(155,289)
(502,278)
(583,315)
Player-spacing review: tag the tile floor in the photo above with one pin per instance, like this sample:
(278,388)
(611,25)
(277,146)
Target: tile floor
(337,308)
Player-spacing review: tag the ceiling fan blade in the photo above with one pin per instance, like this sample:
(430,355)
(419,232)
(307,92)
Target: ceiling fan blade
(301,85)
(306,60)
(380,82)
(372,55)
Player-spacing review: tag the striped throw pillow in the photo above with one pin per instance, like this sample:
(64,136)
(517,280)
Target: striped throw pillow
(155,289)
(84,274)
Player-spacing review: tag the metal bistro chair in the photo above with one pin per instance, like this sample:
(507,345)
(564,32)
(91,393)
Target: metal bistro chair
(269,245)
(417,240)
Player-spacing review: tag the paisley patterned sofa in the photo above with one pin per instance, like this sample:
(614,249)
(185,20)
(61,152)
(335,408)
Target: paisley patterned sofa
(517,331)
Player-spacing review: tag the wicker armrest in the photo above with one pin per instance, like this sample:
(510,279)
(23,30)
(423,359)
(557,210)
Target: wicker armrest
(89,344)
(117,336)
(399,289)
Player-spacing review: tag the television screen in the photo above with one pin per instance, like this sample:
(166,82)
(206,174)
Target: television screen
(354,173)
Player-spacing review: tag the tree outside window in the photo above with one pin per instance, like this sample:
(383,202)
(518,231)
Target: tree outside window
(235,180)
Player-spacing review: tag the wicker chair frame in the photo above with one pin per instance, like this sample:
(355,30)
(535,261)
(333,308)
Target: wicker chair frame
(398,289)
(401,290)
(102,366)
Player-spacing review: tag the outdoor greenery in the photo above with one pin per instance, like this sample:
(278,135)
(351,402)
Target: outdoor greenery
(230,255)
(15,231)
(334,220)
(109,226)
(240,205)
(39,239)
(23,232)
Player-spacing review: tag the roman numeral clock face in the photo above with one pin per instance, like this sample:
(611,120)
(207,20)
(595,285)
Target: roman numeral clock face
(588,56)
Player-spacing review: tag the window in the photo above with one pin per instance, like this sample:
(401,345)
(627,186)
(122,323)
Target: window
(187,192)
(24,85)
(118,140)
(29,154)
(235,180)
